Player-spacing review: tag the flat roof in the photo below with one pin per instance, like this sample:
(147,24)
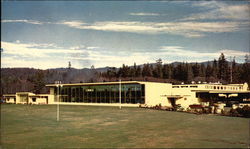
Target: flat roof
(40,95)
(9,95)
(105,83)
(219,92)
(208,84)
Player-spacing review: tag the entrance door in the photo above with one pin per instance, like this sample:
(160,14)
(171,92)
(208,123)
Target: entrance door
(172,101)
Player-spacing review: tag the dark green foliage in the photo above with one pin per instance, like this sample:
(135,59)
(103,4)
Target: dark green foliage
(147,70)
(211,71)
(27,79)
(223,68)
(241,112)
(245,73)
(245,111)
(39,82)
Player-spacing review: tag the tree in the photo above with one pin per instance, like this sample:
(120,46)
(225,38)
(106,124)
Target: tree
(138,72)
(202,70)
(133,71)
(146,70)
(215,69)
(196,69)
(209,72)
(111,72)
(189,73)
(69,65)
(245,74)
(157,72)
(38,82)
(223,68)
(167,71)
(180,72)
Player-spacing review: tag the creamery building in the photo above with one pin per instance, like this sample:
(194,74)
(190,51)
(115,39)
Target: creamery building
(135,93)
(131,93)
(187,94)
(27,98)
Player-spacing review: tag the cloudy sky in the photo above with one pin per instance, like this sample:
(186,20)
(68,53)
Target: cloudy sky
(49,34)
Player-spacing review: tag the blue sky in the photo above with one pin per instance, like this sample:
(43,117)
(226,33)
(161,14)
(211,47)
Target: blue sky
(49,34)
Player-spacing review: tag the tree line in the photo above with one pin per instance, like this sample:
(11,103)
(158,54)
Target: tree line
(33,80)
(218,70)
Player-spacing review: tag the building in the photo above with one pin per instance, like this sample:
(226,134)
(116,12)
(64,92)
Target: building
(135,93)
(26,98)
(186,94)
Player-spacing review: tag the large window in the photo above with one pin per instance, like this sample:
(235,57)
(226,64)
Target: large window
(130,93)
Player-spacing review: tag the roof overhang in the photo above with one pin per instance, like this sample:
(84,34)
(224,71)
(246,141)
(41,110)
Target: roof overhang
(220,92)
(174,96)
(9,95)
(97,83)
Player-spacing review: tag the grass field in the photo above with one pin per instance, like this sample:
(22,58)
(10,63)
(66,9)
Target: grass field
(25,126)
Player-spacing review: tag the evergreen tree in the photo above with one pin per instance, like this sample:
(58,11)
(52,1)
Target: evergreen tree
(196,69)
(189,72)
(179,72)
(111,72)
(38,82)
(215,69)
(138,72)
(159,68)
(147,70)
(223,68)
(165,70)
(133,71)
(245,74)
(209,72)
(69,65)
(202,70)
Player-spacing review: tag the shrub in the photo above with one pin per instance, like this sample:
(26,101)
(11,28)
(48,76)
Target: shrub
(234,112)
(245,111)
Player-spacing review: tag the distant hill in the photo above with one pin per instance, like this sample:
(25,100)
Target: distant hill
(25,79)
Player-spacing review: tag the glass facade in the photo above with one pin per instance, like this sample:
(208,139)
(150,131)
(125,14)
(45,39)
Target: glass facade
(130,93)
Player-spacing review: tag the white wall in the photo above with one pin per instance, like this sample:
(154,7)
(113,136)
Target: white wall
(188,98)
(155,93)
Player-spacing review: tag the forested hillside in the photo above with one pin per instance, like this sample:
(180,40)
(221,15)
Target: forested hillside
(33,80)
(212,71)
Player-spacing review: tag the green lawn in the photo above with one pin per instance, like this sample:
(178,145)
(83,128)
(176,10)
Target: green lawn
(25,126)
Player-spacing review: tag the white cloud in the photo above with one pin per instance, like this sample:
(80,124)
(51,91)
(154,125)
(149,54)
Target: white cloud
(35,50)
(30,55)
(72,23)
(193,56)
(144,14)
(38,63)
(220,10)
(38,55)
(187,29)
(23,21)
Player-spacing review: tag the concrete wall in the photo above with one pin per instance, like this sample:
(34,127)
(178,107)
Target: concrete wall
(154,93)
(38,100)
(23,97)
(10,99)
(188,98)
(51,96)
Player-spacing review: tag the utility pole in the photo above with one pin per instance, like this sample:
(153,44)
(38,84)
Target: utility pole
(120,93)
(231,70)
(1,73)
(58,84)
